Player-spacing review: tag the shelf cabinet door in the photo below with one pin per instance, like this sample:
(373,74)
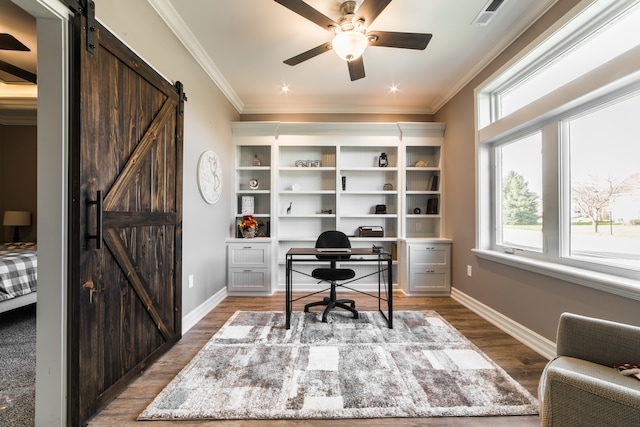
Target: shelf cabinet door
(248,268)
(248,280)
(434,281)
(248,255)
(429,268)
(429,254)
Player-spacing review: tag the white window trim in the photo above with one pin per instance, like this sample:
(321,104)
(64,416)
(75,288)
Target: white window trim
(614,77)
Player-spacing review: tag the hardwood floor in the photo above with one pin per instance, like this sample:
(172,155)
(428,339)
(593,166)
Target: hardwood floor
(522,363)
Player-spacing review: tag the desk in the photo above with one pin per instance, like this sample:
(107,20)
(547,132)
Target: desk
(357,255)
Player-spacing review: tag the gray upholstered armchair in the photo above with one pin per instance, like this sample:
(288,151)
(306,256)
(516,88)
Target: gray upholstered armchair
(580,387)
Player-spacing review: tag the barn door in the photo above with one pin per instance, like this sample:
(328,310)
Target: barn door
(125,297)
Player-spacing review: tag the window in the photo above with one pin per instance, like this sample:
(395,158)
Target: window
(597,48)
(559,153)
(519,213)
(604,177)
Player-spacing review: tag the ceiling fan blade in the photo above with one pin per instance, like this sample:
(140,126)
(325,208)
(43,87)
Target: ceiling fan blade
(18,72)
(325,47)
(306,11)
(8,42)
(417,41)
(370,9)
(356,69)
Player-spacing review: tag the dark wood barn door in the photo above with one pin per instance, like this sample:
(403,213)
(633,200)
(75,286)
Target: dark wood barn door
(125,297)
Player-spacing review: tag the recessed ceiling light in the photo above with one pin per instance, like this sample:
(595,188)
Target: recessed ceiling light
(393,88)
(284,88)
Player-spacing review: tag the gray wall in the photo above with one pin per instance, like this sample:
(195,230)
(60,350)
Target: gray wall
(206,127)
(533,300)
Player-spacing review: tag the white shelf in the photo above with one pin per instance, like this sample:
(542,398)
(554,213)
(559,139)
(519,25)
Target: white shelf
(376,216)
(306,169)
(307,216)
(253,168)
(247,192)
(292,192)
(350,151)
(384,192)
(371,169)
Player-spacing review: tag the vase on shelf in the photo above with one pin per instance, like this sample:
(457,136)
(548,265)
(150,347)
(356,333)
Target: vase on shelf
(248,232)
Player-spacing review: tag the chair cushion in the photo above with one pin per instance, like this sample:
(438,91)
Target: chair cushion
(332,274)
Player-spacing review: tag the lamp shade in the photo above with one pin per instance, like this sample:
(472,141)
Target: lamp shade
(17,218)
(349,45)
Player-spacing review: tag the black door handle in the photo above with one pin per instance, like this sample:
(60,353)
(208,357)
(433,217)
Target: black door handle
(98,235)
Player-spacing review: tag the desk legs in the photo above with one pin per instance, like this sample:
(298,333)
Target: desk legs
(288,291)
(390,291)
(389,316)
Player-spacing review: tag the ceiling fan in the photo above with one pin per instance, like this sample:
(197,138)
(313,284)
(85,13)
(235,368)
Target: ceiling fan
(351,35)
(8,42)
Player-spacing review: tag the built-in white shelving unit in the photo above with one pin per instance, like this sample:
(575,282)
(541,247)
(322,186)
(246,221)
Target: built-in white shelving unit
(321,176)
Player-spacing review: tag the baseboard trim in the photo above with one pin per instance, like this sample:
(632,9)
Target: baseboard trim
(197,314)
(531,339)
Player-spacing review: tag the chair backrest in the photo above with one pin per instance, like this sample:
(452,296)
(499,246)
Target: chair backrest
(333,239)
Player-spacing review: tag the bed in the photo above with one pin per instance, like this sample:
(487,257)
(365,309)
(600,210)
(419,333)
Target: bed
(18,275)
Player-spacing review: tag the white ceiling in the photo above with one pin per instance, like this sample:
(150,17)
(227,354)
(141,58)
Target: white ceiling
(242,44)
(18,97)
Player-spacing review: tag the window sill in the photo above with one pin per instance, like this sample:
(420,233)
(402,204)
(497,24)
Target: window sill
(617,285)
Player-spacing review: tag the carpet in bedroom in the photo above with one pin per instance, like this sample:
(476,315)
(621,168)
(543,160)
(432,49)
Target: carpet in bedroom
(18,372)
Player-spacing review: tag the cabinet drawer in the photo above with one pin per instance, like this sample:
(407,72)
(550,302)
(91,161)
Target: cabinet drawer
(252,255)
(429,279)
(428,254)
(248,279)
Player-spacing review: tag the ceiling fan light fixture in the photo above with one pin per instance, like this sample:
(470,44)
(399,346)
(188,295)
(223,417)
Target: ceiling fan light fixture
(349,45)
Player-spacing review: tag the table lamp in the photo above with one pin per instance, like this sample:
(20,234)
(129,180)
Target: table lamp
(16,219)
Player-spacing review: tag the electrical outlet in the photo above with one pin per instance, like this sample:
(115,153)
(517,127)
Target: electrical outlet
(190,281)
(469,271)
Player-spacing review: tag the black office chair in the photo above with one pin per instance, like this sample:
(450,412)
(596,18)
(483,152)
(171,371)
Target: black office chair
(333,239)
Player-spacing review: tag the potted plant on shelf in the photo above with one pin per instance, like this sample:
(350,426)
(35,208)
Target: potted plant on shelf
(248,226)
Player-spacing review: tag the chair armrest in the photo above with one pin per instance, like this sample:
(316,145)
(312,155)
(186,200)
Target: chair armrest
(599,341)
(586,396)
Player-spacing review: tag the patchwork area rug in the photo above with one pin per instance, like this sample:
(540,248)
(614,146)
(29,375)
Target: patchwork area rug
(254,368)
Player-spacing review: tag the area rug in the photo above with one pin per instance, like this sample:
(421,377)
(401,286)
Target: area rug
(254,368)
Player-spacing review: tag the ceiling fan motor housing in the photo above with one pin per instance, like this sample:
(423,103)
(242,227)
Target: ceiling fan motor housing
(347,15)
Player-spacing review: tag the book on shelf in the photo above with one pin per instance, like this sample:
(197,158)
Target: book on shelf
(433,183)
(432,205)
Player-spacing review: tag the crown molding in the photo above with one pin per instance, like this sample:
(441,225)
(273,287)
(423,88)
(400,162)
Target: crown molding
(170,16)
(334,109)
(532,15)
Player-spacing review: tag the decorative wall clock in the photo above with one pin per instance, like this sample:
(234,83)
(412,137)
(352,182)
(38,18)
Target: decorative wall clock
(210,176)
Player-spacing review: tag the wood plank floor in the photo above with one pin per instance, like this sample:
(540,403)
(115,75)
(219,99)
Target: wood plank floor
(522,363)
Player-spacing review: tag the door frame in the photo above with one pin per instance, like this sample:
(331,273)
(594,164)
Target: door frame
(53,30)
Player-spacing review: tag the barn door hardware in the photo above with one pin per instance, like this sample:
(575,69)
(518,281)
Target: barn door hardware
(98,235)
(90,12)
(88,9)
(183,96)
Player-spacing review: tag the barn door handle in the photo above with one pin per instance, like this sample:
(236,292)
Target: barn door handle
(98,235)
